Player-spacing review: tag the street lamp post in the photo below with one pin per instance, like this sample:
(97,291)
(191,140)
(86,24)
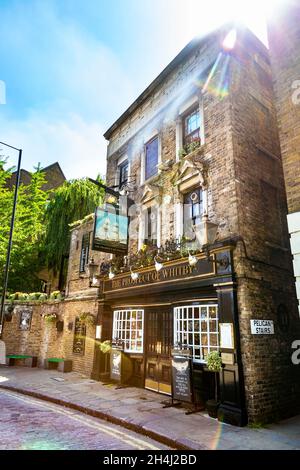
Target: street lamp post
(6,269)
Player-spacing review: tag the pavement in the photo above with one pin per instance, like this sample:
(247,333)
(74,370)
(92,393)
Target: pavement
(143,411)
(27,423)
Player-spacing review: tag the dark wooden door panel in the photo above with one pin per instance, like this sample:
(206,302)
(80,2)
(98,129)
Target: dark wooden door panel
(159,340)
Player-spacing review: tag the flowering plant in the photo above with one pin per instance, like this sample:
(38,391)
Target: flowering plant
(87,318)
(50,317)
(105,346)
(56,294)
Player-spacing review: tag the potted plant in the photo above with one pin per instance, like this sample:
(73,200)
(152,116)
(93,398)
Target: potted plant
(214,364)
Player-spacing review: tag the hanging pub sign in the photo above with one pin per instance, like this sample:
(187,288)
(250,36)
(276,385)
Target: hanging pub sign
(110,230)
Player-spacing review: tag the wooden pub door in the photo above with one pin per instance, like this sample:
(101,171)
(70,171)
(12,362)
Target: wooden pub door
(159,341)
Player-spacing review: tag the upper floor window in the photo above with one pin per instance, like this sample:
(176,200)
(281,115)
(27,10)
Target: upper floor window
(84,254)
(123,173)
(193,211)
(151,225)
(191,127)
(151,158)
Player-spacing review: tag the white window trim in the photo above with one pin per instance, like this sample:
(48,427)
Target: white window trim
(185,107)
(142,225)
(179,213)
(116,330)
(177,320)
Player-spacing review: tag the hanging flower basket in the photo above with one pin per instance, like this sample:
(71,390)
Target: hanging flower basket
(87,319)
(50,318)
(105,346)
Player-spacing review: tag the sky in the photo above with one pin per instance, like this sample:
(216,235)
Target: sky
(70,68)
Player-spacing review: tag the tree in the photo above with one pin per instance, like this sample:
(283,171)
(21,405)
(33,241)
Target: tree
(29,229)
(41,235)
(72,201)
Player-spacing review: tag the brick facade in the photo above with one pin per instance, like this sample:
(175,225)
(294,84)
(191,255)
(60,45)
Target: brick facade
(238,166)
(284,35)
(245,196)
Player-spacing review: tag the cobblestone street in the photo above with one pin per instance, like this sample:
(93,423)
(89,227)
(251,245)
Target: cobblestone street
(30,424)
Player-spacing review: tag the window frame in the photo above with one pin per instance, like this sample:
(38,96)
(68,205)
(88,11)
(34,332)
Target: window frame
(121,319)
(150,141)
(185,223)
(121,166)
(191,111)
(184,321)
(84,252)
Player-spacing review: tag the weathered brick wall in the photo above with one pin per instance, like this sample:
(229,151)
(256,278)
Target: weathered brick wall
(44,340)
(246,197)
(77,282)
(284,41)
(264,269)
(159,114)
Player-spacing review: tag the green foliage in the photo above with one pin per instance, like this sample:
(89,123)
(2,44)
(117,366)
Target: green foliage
(189,148)
(74,200)
(55,295)
(26,259)
(87,319)
(50,318)
(105,346)
(214,361)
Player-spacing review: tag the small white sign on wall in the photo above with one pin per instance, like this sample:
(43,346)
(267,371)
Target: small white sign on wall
(262,327)
(226,336)
(98,331)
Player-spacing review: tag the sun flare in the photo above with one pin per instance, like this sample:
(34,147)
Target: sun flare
(200,17)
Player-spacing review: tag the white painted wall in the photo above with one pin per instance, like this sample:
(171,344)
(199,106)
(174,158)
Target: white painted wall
(294,230)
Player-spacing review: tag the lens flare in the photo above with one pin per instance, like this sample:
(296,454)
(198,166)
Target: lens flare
(230,40)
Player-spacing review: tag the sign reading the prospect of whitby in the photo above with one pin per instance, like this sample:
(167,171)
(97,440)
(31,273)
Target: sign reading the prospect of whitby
(262,327)
(181,379)
(110,231)
(115,364)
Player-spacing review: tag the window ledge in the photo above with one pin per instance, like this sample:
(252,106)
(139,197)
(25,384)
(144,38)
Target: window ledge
(198,151)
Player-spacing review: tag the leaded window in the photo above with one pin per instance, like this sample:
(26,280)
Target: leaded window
(191,127)
(196,327)
(151,158)
(128,327)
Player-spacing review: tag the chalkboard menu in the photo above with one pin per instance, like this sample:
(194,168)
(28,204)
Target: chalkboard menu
(181,378)
(115,364)
(79,337)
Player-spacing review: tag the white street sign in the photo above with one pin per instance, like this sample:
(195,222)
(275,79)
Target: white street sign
(262,327)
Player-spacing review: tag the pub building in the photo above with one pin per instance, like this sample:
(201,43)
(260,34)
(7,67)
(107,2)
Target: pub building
(208,251)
